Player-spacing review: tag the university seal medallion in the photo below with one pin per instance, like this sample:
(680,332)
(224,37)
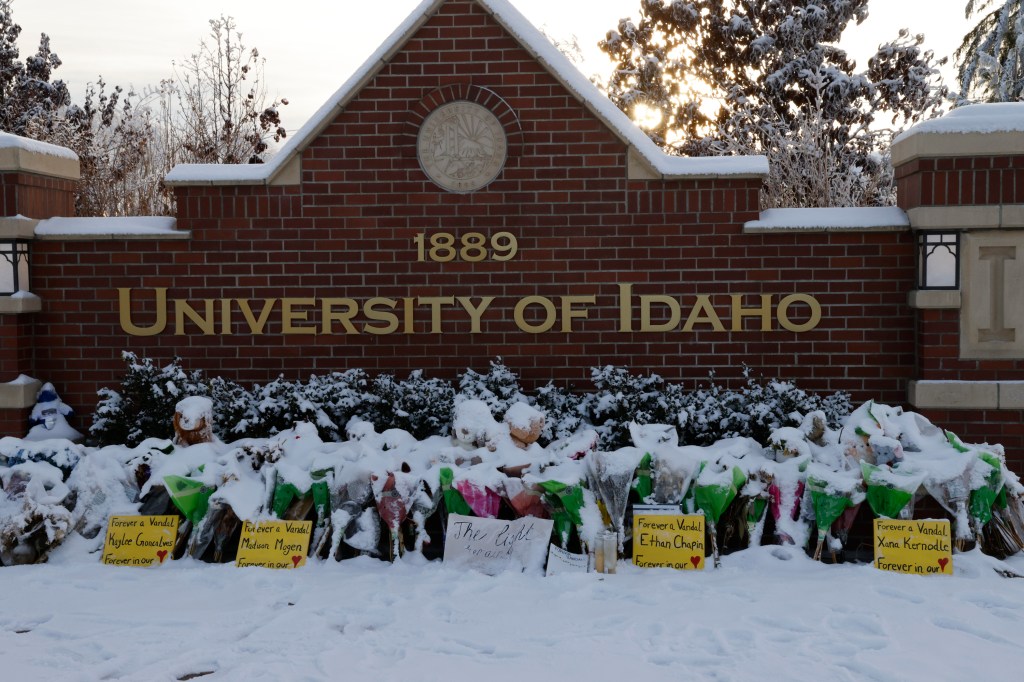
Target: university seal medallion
(462,146)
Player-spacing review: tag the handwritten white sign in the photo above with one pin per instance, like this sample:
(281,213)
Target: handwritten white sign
(561,561)
(492,546)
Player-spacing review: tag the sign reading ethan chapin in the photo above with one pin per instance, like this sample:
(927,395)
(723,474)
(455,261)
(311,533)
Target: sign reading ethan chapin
(665,538)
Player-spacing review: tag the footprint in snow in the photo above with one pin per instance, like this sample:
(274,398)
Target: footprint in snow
(864,625)
(996,604)
(787,626)
(465,647)
(21,626)
(959,626)
(863,672)
(896,594)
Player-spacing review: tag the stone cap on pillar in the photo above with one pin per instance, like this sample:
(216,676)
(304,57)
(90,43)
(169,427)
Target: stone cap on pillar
(22,155)
(974,130)
(19,393)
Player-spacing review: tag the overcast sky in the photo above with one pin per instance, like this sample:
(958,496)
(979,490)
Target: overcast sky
(312,46)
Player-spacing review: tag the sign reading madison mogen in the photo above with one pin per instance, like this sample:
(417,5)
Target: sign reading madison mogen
(428,314)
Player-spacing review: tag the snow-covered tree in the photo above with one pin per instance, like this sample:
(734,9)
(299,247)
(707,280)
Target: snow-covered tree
(120,162)
(710,77)
(217,102)
(29,101)
(990,61)
(213,110)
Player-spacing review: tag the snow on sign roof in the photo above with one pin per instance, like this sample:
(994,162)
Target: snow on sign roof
(538,46)
(1002,117)
(974,130)
(135,226)
(9,141)
(882,219)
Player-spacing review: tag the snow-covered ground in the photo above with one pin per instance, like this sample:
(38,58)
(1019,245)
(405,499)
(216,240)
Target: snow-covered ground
(767,613)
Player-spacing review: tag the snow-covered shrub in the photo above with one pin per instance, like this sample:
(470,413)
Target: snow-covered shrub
(622,398)
(423,407)
(33,518)
(712,413)
(280,404)
(563,413)
(144,407)
(499,388)
(233,407)
(341,395)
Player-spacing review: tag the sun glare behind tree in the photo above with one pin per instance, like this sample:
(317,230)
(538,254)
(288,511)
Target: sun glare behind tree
(646,116)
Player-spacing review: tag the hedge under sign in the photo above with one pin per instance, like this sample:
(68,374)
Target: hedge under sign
(139,540)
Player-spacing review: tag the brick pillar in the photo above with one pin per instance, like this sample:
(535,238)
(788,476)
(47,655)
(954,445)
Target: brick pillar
(37,181)
(961,177)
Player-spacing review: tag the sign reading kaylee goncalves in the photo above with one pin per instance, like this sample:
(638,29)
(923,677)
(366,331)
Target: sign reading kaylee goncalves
(492,546)
(665,538)
(920,547)
(274,544)
(139,540)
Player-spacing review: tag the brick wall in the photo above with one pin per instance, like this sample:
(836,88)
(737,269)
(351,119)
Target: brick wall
(36,196)
(14,422)
(961,181)
(583,229)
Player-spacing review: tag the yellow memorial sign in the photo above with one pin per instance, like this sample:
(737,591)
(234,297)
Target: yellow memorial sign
(918,547)
(274,544)
(139,540)
(665,538)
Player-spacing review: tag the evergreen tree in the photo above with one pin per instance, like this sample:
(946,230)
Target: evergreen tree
(30,104)
(990,61)
(767,77)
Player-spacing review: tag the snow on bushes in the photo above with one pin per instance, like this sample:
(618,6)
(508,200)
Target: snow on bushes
(377,464)
(144,406)
(498,389)
(387,492)
(33,517)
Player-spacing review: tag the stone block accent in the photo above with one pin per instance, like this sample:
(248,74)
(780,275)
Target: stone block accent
(19,394)
(992,319)
(934,299)
(954,395)
(21,303)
